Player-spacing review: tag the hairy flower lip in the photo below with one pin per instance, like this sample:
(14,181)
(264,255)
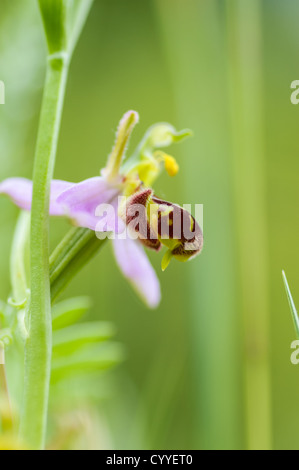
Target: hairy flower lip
(158,222)
(138,203)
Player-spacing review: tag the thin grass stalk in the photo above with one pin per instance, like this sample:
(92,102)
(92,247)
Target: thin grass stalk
(244,39)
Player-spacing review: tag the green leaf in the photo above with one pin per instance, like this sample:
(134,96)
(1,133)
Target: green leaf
(55,18)
(68,340)
(64,21)
(19,259)
(77,248)
(69,311)
(94,388)
(291,303)
(89,359)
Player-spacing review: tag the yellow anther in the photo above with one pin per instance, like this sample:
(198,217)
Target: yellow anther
(171,165)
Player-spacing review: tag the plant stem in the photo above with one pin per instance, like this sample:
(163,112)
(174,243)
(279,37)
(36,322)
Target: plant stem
(38,348)
(70,256)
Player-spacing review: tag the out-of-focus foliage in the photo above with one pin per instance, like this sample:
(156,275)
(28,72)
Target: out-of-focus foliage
(191,364)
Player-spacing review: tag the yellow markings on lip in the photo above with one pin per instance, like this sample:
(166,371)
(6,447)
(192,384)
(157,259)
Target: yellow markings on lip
(171,165)
(154,223)
(192,225)
(165,211)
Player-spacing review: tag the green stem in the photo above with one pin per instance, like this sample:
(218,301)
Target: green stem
(38,347)
(71,255)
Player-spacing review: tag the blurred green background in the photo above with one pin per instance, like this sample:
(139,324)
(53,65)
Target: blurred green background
(210,368)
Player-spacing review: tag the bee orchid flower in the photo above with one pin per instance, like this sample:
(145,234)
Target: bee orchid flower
(151,221)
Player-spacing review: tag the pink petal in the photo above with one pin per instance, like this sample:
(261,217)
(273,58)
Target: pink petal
(80,202)
(136,267)
(20,191)
(107,219)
